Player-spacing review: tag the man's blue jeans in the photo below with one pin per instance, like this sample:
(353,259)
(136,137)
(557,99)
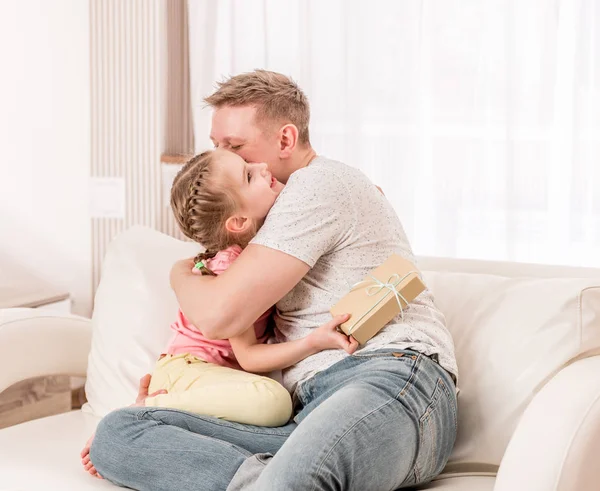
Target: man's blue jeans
(378,421)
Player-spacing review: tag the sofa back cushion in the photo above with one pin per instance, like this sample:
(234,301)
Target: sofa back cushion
(133,309)
(511,336)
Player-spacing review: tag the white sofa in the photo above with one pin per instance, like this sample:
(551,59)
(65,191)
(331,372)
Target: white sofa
(527,340)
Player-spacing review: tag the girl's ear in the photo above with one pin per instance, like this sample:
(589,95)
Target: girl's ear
(238,224)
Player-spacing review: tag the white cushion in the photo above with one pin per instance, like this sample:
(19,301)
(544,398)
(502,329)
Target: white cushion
(133,309)
(511,336)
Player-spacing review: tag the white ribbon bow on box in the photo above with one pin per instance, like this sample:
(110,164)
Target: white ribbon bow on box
(377,286)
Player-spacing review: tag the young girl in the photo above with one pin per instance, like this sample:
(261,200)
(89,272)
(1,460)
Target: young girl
(220,201)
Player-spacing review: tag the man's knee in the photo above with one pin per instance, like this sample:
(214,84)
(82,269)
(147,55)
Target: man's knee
(283,474)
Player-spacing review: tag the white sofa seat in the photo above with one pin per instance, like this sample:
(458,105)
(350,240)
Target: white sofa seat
(57,441)
(44,454)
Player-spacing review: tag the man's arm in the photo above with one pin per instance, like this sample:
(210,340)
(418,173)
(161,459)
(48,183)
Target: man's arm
(224,306)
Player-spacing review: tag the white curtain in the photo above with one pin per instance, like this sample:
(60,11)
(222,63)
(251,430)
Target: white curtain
(479,119)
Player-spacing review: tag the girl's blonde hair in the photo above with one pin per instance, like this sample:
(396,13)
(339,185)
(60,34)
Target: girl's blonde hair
(201,205)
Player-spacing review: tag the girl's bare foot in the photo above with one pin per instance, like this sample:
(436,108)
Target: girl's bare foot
(85,459)
(140,401)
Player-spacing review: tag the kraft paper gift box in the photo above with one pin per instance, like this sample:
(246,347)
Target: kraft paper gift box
(376,300)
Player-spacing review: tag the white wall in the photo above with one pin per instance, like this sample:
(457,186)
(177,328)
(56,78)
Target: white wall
(45,142)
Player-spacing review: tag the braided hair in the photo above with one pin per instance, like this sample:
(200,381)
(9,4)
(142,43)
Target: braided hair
(201,206)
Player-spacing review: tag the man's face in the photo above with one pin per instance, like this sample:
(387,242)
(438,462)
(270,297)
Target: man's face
(235,129)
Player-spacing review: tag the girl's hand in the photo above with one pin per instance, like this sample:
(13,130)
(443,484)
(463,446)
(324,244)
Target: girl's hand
(328,337)
(140,400)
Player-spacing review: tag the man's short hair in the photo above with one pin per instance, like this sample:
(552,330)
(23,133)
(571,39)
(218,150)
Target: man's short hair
(277,98)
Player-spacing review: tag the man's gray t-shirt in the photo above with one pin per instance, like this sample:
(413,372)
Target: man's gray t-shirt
(333,218)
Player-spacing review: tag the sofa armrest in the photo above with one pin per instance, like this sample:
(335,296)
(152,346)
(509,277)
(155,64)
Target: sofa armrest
(34,343)
(557,441)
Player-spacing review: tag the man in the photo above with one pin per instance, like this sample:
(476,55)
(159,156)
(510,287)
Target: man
(381,419)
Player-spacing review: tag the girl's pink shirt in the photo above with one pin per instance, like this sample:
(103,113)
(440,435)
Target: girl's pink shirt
(188,339)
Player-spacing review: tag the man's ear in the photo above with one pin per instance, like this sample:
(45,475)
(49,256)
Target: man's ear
(288,139)
(238,224)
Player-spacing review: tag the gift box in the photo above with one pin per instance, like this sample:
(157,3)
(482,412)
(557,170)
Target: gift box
(382,295)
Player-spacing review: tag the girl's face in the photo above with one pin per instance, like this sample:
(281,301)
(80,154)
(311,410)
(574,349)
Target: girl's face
(253,183)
